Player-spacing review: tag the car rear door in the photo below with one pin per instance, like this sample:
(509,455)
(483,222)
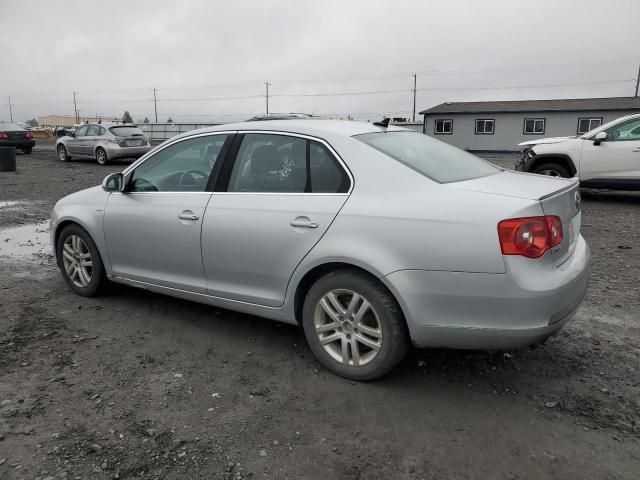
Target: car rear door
(616,158)
(152,230)
(276,198)
(88,145)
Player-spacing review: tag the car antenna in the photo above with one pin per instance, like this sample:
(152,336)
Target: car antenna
(384,123)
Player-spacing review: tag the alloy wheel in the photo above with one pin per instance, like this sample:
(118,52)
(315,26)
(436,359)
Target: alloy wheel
(62,153)
(348,327)
(77,261)
(101,156)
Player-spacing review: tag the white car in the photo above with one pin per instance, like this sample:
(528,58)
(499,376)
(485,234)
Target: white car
(606,157)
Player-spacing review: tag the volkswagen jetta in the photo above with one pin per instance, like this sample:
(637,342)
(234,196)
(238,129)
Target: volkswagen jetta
(370,237)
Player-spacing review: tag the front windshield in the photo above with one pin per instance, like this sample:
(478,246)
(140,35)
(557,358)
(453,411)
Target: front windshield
(434,159)
(605,127)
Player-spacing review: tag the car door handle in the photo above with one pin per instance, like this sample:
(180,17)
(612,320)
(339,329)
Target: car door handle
(299,223)
(188,215)
(636,150)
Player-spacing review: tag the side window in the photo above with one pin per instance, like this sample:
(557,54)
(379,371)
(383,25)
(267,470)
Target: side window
(81,132)
(282,164)
(93,131)
(326,175)
(182,167)
(101,131)
(269,163)
(624,132)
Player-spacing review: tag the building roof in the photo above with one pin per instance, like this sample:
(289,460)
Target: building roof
(517,106)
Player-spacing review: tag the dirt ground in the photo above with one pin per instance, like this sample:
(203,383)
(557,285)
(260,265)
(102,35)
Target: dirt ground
(138,385)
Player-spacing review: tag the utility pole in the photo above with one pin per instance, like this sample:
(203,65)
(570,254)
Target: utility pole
(266,84)
(638,81)
(75,108)
(10,109)
(155,104)
(415,80)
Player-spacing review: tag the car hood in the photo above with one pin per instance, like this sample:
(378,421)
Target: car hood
(517,184)
(544,140)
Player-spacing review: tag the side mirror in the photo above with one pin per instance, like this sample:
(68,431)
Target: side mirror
(113,182)
(599,138)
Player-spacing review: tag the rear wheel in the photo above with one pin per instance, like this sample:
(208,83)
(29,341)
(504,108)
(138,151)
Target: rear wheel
(63,156)
(27,151)
(354,326)
(552,170)
(101,156)
(80,261)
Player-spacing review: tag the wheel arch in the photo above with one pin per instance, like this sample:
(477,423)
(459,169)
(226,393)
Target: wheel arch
(559,158)
(61,224)
(319,270)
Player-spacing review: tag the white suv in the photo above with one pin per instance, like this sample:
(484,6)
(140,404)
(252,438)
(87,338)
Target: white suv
(606,157)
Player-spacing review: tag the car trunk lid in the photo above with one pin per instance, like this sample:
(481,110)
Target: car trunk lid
(557,196)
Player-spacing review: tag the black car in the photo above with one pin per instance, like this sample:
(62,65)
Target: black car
(13,135)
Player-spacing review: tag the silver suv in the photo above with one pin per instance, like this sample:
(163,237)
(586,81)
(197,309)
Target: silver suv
(104,142)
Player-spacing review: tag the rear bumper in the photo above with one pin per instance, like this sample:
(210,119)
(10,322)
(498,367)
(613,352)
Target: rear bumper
(18,143)
(116,151)
(485,311)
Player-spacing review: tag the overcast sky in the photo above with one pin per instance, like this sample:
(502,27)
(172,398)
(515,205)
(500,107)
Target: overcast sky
(209,60)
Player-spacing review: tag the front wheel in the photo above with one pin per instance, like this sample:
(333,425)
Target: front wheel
(101,156)
(354,326)
(63,156)
(552,170)
(80,261)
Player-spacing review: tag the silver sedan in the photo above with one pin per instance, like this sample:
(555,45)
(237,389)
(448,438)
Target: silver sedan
(103,142)
(372,238)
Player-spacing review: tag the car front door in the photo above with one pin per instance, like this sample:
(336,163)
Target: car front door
(617,157)
(152,230)
(74,144)
(278,198)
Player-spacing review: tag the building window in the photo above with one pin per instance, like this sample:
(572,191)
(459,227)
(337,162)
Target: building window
(587,124)
(443,127)
(534,126)
(484,126)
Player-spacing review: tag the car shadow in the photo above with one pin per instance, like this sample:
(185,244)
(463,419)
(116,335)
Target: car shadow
(612,196)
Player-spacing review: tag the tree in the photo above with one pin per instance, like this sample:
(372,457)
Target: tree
(126,118)
(170,120)
(146,120)
(32,123)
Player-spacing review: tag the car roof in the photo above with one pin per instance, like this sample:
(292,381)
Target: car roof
(312,127)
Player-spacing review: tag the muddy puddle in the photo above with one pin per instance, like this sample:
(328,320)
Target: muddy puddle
(26,242)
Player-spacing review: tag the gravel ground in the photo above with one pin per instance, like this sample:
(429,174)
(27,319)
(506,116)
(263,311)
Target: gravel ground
(133,384)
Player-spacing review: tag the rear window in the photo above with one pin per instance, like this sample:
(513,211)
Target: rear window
(432,158)
(126,131)
(11,127)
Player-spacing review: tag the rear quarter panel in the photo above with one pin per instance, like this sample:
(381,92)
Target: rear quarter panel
(397,219)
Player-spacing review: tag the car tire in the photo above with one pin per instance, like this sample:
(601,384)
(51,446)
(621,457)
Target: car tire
(63,155)
(27,151)
(363,342)
(101,156)
(552,170)
(80,262)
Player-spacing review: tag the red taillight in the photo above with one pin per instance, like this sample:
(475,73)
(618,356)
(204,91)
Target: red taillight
(3,136)
(530,236)
(29,135)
